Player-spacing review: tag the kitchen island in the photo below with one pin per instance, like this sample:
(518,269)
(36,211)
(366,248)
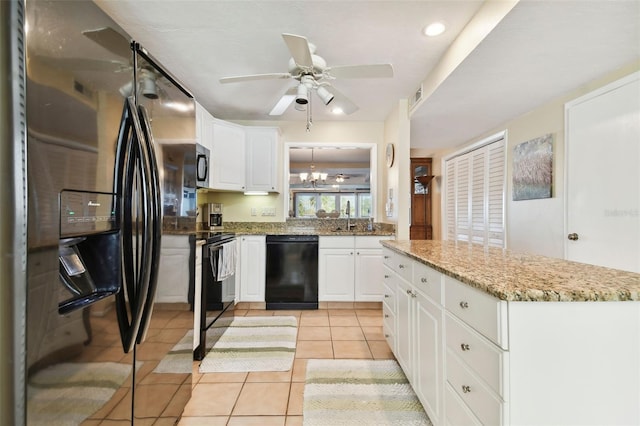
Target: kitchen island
(489,336)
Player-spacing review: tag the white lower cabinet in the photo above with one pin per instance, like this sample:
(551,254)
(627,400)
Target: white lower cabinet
(349,268)
(418,339)
(473,359)
(251,268)
(173,273)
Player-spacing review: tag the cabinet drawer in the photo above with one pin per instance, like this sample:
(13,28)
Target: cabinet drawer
(485,359)
(484,404)
(484,313)
(398,263)
(456,412)
(389,294)
(336,242)
(428,280)
(370,241)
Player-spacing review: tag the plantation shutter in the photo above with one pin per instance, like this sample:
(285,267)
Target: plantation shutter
(474,195)
(450,206)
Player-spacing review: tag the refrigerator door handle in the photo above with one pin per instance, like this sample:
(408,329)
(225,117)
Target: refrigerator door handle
(155,213)
(132,192)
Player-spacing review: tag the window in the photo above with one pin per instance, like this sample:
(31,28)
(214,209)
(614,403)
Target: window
(474,194)
(308,203)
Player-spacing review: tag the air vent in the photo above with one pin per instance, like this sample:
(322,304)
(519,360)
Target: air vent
(416,98)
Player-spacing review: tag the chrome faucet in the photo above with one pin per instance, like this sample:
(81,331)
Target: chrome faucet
(349,224)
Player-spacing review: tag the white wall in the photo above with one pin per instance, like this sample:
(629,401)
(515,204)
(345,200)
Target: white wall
(535,226)
(237,207)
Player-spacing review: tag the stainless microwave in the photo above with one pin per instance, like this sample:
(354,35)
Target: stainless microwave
(202,166)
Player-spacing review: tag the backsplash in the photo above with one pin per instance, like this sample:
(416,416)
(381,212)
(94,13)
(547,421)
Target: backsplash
(311,226)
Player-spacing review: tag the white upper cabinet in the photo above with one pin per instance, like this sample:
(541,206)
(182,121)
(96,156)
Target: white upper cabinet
(262,158)
(204,127)
(227,157)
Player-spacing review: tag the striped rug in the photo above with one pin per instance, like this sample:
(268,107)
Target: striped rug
(68,393)
(251,344)
(341,392)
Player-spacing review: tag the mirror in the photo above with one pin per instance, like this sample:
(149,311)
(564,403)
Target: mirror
(322,178)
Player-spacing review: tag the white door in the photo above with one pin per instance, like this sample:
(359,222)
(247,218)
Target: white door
(603,176)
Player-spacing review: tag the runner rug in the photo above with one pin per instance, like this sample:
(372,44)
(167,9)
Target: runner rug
(251,344)
(340,392)
(68,393)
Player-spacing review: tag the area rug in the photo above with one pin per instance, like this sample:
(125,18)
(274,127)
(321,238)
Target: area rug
(251,344)
(68,393)
(341,392)
(180,358)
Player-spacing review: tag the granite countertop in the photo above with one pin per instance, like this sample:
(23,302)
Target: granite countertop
(513,276)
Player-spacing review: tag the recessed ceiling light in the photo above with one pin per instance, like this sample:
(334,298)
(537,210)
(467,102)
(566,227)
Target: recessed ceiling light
(434,29)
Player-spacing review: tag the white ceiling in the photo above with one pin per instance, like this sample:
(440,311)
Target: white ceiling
(540,50)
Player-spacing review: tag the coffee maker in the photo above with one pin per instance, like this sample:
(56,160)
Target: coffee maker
(214,214)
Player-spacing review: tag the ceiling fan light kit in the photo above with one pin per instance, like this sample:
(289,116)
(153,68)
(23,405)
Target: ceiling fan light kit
(312,73)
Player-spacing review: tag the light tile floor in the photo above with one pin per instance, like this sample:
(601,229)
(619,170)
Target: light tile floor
(275,398)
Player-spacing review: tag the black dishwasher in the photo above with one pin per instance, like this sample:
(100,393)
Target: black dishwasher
(292,272)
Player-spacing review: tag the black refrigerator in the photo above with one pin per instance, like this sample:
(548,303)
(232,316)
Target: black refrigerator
(102,119)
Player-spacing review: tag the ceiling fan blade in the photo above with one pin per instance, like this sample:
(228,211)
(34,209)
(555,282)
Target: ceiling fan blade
(342,102)
(111,40)
(283,103)
(271,76)
(362,71)
(299,48)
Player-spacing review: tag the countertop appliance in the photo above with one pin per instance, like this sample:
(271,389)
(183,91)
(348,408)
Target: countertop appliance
(216,295)
(100,176)
(292,272)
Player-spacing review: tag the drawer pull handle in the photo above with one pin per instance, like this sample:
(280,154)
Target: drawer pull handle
(386,335)
(409,292)
(423,279)
(464,305)
(466,388)
(386,315)
(465,347)
(386,296)
(386,276)
(401,266)
(386,257)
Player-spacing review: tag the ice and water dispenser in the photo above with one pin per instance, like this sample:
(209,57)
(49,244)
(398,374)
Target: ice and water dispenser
(89,248)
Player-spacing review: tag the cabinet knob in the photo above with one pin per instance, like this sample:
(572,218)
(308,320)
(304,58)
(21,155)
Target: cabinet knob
(358,253)
(386,335)
(386,276)
(401,266)
(386,296)
(408,291)
(386,257)
(423,279)
(573,236)
(464,305)
(386,315)
(351,254)
(465,346)
(466,388)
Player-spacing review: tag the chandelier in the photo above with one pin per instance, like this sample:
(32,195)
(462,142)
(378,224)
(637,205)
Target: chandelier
(313,177)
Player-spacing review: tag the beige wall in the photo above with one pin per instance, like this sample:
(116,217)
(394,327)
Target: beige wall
(535,226)
(237,207)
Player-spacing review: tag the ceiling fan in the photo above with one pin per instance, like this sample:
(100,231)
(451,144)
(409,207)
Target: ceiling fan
(313,75)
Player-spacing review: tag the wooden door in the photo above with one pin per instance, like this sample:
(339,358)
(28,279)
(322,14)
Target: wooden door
(603,176)
(421,175)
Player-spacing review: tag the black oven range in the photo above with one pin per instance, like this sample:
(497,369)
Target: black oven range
(216,294)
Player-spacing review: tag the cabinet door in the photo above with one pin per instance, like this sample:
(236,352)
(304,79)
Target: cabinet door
(204,127)
(262,159)
(428,353)
(404,320)
(368,275)
(335,275)
(228,157)
(252,268)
